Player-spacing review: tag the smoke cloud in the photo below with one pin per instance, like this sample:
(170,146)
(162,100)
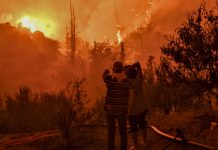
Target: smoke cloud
(96,19)
(32,63)
(6,17)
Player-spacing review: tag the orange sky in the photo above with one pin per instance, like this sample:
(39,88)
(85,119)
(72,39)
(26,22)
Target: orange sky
(95,21)
(96,18)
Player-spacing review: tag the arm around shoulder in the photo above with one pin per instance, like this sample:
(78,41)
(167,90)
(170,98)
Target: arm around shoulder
(105,74)
(139,70)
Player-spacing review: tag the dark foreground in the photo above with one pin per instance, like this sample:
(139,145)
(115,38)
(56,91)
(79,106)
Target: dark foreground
(95,137)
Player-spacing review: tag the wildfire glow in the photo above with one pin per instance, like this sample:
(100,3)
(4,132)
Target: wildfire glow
(44,25)
(119,38)
(150,3)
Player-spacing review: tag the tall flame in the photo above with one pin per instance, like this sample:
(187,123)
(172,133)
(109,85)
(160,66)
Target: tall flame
(119,37)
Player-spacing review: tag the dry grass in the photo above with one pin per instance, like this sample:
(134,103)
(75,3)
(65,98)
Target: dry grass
(95,137)
(27,113)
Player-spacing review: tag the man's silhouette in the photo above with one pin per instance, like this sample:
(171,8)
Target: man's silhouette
(116,104)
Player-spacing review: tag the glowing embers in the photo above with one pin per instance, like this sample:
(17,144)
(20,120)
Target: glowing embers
(44,25)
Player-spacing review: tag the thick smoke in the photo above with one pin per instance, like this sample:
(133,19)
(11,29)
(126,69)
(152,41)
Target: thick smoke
(163,18)
(30,63)
(6,17)
(96,19)
(31,59)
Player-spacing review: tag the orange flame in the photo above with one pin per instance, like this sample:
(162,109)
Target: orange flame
(119,37)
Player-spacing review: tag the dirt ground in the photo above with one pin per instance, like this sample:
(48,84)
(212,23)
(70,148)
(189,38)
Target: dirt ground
(195,127)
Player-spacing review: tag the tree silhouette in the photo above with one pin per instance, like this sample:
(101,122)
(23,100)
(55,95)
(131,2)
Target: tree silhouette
(193,52)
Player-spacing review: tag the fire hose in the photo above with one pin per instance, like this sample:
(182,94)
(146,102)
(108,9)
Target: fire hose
(179,138)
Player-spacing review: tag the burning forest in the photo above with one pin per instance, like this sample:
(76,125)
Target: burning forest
(58,62)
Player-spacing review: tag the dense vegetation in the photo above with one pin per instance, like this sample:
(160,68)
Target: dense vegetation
(184,80)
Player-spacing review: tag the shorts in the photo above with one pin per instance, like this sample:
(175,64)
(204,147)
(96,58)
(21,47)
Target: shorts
(137,121)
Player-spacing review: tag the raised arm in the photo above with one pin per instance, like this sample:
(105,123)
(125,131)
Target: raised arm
(139,70)
(105,74)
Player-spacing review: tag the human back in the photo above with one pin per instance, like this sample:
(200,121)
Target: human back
(117,93)
(137,109)
(116,104)
(139,103)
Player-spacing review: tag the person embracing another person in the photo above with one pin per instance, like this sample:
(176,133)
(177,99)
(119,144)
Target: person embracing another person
(125,97)
(116,103)
(138,107)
